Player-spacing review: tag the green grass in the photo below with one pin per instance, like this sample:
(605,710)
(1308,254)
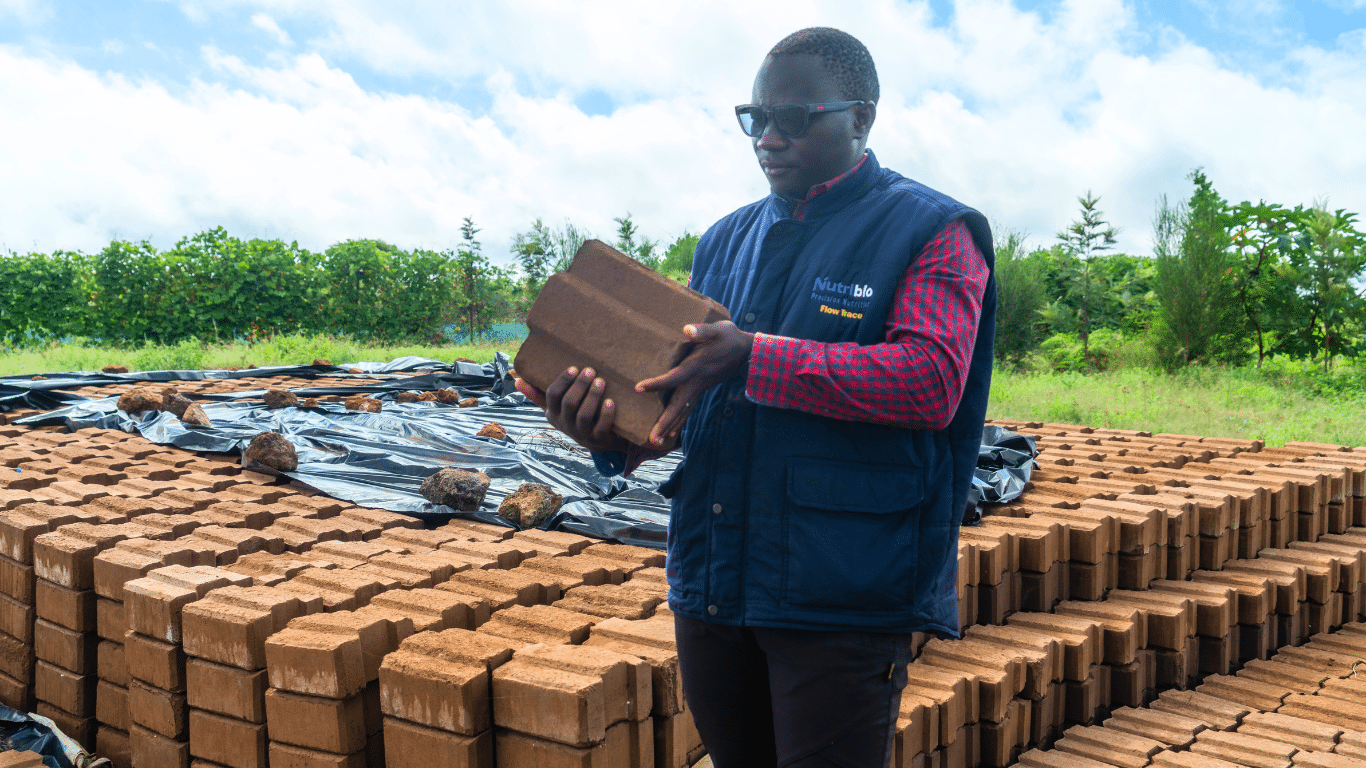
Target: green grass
(191,355)
(1242,403)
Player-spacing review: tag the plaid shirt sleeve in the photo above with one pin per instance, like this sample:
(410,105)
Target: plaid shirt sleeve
(914,379)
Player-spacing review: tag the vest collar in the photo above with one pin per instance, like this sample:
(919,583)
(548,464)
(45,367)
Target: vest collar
(831,196)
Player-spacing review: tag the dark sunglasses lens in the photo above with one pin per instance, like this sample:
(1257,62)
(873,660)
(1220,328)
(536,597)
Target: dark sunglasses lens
(751,120)
(790,120)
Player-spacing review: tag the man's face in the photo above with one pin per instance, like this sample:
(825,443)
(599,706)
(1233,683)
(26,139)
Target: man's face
(832,143)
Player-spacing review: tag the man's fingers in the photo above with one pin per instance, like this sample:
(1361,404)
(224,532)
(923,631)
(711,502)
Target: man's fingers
(674,416)
(587,416)
(554,394)
(602,430)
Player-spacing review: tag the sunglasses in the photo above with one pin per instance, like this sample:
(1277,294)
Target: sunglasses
(791,120)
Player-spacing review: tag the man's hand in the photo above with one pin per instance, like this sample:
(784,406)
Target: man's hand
(721,351)
(574,404)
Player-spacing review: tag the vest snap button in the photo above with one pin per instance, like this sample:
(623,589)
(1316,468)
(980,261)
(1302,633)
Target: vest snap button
(749,317)
(728,411)
(716,508)
(712,610)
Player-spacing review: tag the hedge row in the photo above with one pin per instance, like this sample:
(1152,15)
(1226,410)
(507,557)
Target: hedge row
(214,286)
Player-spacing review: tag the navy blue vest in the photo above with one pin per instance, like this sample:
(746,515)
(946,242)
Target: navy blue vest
(789,519)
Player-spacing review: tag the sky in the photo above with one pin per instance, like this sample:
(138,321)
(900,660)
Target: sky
(324,120)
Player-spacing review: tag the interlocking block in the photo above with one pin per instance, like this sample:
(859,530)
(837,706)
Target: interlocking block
(1296,731)
(998,672)
(134,558)
(1254,694)
(951,693)
(441,680)
(153,603)
(625,744)
(1241,749)
(26,522)
(66,557)
(1126,627)
(504,589)
(575,570)
(570,695)
(1109,745)
(151,749)
(539,624)
(1169,728)
(1215,711)
(1031,642)
(653,641)
(230,625)
(1082,639)
(1325,709)
(1171,618)
(154,662)
(553,542)
(429,609)
(267,570)
(1216,605)
(1299,679)
(227,741)
(408,745)
(377,631)
(339,590)
(1287,578)
(313,722)
(1040,542)
(223,690)
(625,601)
(412,571)
(71,608)
(158,710)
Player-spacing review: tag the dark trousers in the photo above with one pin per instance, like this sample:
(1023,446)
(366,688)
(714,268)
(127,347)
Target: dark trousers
(785,697)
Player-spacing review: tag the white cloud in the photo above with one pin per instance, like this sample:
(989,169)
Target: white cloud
(1013,112)
(26,11)
(265,22)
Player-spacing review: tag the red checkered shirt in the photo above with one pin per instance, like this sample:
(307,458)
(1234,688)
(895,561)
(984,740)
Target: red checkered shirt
(914,379)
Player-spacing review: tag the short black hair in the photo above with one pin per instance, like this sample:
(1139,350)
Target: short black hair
(847,59)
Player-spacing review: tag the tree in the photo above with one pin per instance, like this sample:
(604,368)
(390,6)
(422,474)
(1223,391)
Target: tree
(643,251)
(485,288)
(535,251)
(1328,254)
(1082,239)
(677,262)
(1020,295)
(1199,315)
(1261,237)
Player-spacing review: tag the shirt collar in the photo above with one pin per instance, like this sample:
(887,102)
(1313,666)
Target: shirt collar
(799,209)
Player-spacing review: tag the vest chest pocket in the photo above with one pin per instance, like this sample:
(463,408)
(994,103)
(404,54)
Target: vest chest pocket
(851,532)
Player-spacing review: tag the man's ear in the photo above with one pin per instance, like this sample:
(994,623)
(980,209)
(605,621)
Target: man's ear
(864,115)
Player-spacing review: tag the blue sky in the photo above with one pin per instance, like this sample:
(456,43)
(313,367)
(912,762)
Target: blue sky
(319,121)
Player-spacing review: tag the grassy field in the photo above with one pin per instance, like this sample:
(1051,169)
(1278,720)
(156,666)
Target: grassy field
(282,350)
(1214,402)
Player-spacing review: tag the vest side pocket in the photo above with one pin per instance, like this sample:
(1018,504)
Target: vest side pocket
(851,535)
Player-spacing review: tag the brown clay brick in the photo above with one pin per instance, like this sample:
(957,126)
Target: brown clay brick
(569,695)
(313,722)
(154,662)
(134,558)
(158,710)
(64,689)
(16,580)
(224,690)
(70,608)
(430,609)
(1295,731)
(317,663)
(504,589)
(1254,694)
(653,641)
(624,601)
(408,745)
(553,542)
(66,648)
(1241,749)
(230,625)
(111,663)
(24,523)
(111,705)
(539,624)
(378,632)
(154,602)
(226,741)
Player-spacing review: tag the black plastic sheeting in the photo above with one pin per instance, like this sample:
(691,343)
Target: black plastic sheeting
(21,733)
(1004,463)
(51,391)
(380,459)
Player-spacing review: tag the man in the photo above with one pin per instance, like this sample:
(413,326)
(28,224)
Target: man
(831,430)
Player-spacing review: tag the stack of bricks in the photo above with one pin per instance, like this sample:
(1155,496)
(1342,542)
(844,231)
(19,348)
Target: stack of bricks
(156,717)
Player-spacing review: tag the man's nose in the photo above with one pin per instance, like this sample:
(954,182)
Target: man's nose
(771,139)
